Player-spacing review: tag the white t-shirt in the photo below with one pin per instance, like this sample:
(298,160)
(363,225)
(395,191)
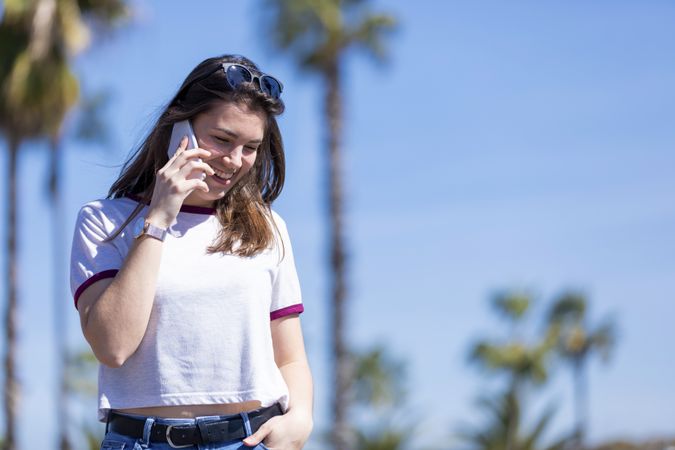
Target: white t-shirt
(208,340)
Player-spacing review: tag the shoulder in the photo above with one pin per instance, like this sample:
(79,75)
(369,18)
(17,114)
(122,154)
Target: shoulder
(107,213)
(278,220)
(110,205)
(279,225)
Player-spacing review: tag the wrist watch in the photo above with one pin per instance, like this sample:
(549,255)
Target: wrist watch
(142,227)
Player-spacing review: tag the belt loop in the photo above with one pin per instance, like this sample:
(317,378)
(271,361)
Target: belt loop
(147,427)
(247,423)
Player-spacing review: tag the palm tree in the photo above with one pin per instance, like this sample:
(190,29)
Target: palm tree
(378,390)
(318,34)
(524,363)
(505,416)
(577,343)
(38,89)
(19,113)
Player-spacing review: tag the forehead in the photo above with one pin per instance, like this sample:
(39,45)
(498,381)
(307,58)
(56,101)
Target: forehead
(247,123)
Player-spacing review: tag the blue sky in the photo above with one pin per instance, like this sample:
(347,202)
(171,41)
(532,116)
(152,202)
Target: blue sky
(504,145)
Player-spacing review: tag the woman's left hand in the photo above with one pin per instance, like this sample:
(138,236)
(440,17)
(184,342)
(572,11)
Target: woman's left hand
(287,432)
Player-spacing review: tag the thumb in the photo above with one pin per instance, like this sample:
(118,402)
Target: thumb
(257,437)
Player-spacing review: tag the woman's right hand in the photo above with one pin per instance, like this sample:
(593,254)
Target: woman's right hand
(173,183)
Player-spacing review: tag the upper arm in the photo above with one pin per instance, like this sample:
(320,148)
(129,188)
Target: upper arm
(88,297)
(287,340)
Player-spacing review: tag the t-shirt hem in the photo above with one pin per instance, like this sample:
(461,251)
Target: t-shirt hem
(191,399)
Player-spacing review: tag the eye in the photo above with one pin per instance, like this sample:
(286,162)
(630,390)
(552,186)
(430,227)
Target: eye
(251,149)
(220,139)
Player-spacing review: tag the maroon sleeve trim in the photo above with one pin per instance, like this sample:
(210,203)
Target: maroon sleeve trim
(287,311)
(92,280)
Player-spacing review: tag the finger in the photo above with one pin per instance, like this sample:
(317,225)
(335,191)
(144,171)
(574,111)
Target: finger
(173,166)
(193,166)
(257,437)
(181,147)
(193,153)
(191,185)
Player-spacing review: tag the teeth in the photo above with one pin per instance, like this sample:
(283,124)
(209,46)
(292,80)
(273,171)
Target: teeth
(224,175)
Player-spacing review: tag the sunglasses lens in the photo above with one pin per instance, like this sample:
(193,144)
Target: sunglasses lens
(237,75)
(270,86)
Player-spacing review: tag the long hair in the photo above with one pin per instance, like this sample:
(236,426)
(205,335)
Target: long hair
(244,212)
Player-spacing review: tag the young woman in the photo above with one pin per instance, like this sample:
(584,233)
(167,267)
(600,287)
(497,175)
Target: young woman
(185,282)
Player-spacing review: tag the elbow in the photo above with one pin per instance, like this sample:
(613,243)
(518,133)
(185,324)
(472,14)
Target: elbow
(110,359)
(114,362)
(108,351)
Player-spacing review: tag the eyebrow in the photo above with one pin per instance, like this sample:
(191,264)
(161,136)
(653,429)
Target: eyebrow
(236,136)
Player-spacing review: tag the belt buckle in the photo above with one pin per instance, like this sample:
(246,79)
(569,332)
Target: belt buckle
(168,439)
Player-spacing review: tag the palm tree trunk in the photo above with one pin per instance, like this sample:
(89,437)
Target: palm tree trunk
(333,104)
(581,402)
(11,381)
(59,276)
(514,400)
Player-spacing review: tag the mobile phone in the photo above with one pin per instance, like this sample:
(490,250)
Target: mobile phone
(180,129)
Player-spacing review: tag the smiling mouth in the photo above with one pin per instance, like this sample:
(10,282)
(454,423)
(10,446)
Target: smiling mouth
(223,175)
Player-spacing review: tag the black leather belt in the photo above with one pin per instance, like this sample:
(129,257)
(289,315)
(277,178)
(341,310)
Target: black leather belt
(178,436)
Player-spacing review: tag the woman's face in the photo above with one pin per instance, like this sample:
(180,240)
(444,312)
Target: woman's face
(232,133)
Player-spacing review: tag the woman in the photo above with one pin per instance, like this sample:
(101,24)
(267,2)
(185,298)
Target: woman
(185,282)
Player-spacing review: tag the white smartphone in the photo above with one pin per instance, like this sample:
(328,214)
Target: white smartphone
(180,129)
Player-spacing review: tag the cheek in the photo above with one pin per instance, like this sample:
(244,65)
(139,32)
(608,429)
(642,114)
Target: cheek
(248,161)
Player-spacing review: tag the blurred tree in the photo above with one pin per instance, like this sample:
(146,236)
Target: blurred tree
(18,111)
(377,389)
(652,444)
(81,369)
(386,439)
(577,342)
(524,362)
(520,360)
(37,90)
(319,33)
(504,429)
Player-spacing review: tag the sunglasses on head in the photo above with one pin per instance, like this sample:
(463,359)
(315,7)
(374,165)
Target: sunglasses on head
(236,74)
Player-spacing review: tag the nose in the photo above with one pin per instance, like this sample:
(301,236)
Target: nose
(232,157)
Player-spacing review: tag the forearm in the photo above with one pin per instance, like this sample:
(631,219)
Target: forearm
(298,378)
(117,321)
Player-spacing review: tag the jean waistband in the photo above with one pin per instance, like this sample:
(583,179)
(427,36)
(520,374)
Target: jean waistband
(190,431)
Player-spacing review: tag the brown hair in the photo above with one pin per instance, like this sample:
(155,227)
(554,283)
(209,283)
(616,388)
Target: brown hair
(244,212)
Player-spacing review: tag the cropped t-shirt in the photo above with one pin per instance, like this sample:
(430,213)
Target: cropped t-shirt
(208,340)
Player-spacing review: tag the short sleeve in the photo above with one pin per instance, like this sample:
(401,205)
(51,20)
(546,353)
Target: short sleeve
(286,295)
(91,259)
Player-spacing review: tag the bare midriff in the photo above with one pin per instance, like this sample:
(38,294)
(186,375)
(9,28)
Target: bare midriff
(191,411)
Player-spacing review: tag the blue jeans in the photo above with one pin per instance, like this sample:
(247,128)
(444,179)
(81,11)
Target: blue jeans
(116,441)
